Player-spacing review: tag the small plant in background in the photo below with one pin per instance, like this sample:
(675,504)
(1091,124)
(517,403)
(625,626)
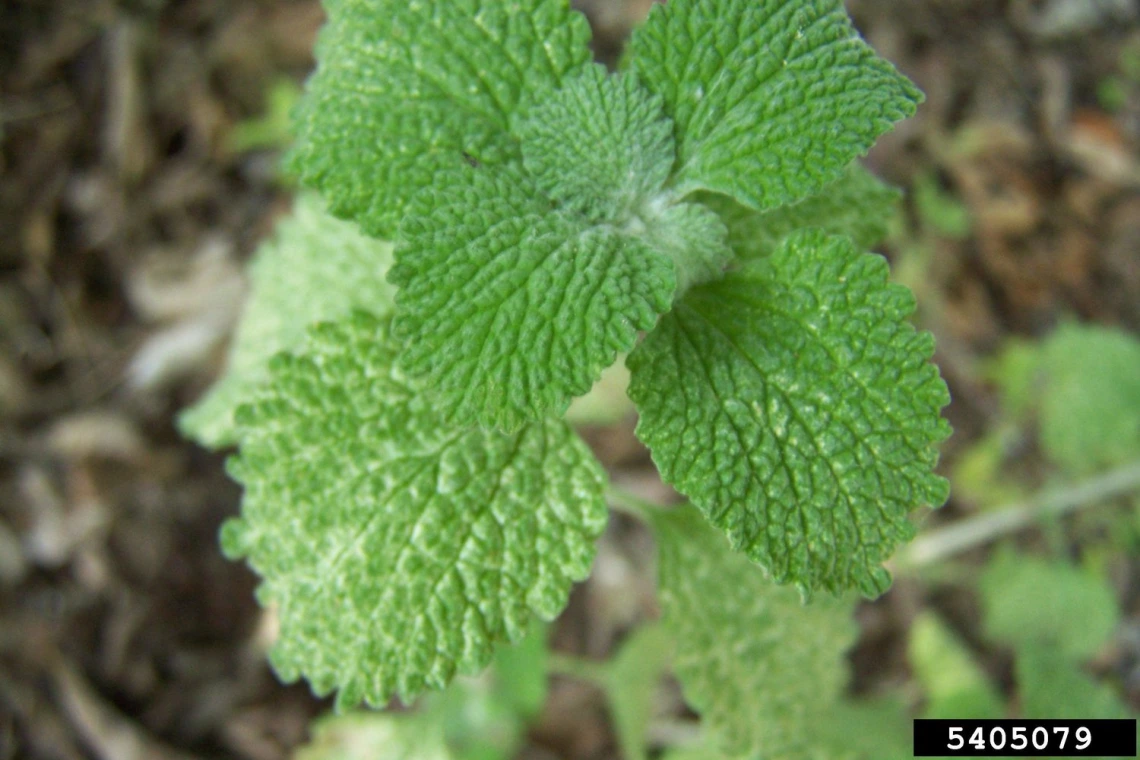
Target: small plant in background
(271,130)
(1054,617)
(1075,398)
(1069,416)
(413,499)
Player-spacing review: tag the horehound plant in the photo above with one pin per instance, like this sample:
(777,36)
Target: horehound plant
(412,494)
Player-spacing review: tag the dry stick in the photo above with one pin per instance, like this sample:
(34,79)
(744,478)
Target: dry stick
(944,542)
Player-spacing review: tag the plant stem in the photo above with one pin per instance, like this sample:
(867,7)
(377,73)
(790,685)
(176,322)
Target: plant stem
(939,544)
(562,664)
(631,504)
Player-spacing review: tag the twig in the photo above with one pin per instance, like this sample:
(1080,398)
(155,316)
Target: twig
(944,542)
(108,733)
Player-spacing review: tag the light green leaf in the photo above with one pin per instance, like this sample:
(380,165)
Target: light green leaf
(509,309)
(858,205)
(982,473)
(398,550)
(315,267)
(1030,601)
(632,681)
(760,667)
(697,751)
(485,717)
(404,89)
(1053,687)
(879,729)
(796,407)
(939,210)
(770,99)
(1090,407)
(875,729)
(272,130)
(520,673)
(375,736)
(601,144)
(954,683)
(1016,371)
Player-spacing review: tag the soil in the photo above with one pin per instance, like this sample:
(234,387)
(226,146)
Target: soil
(126,216)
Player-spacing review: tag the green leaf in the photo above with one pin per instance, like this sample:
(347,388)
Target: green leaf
(940,210)
(1030,601)
(858,205)
(601,144)
(509,309)
(632,681)
(982,473)
(398,550)
(1015,371)
(760,667)
(697,751)
(954,683)
(1090,407)
(1052,687)
(271,130)
(404,89)
(770,99)
(315,267)
(876,729)
(375,736)
(879,729)
(485,717)
(520,674)
(796,407)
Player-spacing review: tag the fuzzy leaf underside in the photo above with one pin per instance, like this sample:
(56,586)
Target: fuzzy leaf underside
(404,88)
(601,144)
(315,267)
(858,205)
(770,99)
(508,308)
(796,407)
(694,237)
(760,666)
(398,550)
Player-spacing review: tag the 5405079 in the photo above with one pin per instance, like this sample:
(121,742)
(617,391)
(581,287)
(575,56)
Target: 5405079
(1023,738)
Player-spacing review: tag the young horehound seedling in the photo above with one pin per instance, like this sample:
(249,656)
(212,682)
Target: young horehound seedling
(412,496)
